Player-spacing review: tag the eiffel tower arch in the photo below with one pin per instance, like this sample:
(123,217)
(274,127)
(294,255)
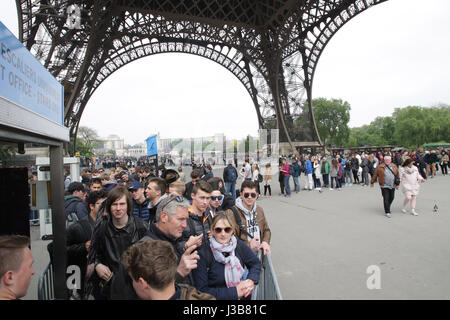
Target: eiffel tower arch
(271,46)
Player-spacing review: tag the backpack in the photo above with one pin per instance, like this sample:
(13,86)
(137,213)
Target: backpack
(239,223)
(260,178)
(191,293)
(232,174)
(71,217)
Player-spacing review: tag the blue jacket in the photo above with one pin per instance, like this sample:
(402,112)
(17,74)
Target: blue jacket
(141,210)
(296,168)
(213,282)
(308,167)
(230,174)
(75,204)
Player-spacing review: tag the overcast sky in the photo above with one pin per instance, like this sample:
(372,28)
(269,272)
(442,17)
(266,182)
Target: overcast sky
(393,55)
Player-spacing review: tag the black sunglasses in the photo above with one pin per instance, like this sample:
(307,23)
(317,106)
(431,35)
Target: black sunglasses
(217,198)
(253,195)
(172,198)
(219,230)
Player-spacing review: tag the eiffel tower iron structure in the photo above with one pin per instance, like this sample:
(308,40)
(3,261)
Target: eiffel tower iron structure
(271,46)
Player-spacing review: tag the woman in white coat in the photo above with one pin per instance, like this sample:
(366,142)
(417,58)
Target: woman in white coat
(410,177)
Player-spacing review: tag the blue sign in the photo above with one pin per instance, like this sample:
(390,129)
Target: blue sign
(152,145)
(24,81)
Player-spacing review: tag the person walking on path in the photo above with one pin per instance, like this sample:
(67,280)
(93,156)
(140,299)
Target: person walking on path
(325,170)
(281,179)
(334,174)
(309,172)
(444,163)
(285,171)
(386,174)
(365,165)
(410,177)
(267,180)
(230,176)
(295,169)
(255,174)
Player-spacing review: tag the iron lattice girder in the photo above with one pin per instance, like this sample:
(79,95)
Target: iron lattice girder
(271,46)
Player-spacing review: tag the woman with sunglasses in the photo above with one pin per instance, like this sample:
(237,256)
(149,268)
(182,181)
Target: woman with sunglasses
(227,268)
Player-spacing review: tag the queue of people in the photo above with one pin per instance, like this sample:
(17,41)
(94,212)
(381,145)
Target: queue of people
(209,238)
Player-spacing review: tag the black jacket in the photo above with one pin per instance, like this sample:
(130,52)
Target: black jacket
(196,225)
(354,164)
(78,234)
(110,243)
(155,233)
(187,193)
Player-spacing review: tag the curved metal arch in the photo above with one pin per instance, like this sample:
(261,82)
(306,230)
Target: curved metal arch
(178,47)
(280,49)
(174,47)
(309,40)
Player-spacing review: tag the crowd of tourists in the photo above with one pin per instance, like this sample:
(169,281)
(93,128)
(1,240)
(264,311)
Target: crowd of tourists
(139,232)
(143,233)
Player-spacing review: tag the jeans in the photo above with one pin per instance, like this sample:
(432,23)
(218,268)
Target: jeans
(388,198)
(296,184)
(365,177)
(286,186)
(326,179)
(444,170)
(355,176)
(337,182)
(230,188)
(317,183)
(348,176)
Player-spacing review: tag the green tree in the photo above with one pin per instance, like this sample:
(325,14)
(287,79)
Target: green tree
(87,140)
(332,117)
(6,154)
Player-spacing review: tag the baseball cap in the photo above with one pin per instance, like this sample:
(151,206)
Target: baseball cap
(135,185)
(76,186)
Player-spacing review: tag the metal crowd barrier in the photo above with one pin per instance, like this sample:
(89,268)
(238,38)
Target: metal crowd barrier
(46,285)
(267,288)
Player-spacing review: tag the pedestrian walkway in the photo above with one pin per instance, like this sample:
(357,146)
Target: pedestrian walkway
(323,243)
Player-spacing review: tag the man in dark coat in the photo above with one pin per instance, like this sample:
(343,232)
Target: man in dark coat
(75,203)
(79,234)
(116,233)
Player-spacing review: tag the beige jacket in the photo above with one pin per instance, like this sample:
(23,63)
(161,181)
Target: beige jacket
(260,219)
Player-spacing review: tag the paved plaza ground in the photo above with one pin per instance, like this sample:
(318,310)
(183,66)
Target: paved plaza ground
(323,243)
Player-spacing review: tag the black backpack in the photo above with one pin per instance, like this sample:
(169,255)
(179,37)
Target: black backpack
(260,178)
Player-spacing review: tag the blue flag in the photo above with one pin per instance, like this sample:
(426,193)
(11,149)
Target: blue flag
(152,147)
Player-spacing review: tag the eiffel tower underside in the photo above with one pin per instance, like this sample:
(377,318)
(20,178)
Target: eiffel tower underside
(271,46)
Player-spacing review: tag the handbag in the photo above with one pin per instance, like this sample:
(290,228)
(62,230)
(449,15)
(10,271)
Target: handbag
(396,178)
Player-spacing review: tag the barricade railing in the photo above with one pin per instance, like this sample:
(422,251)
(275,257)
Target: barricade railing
(267,288)
(46,284)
